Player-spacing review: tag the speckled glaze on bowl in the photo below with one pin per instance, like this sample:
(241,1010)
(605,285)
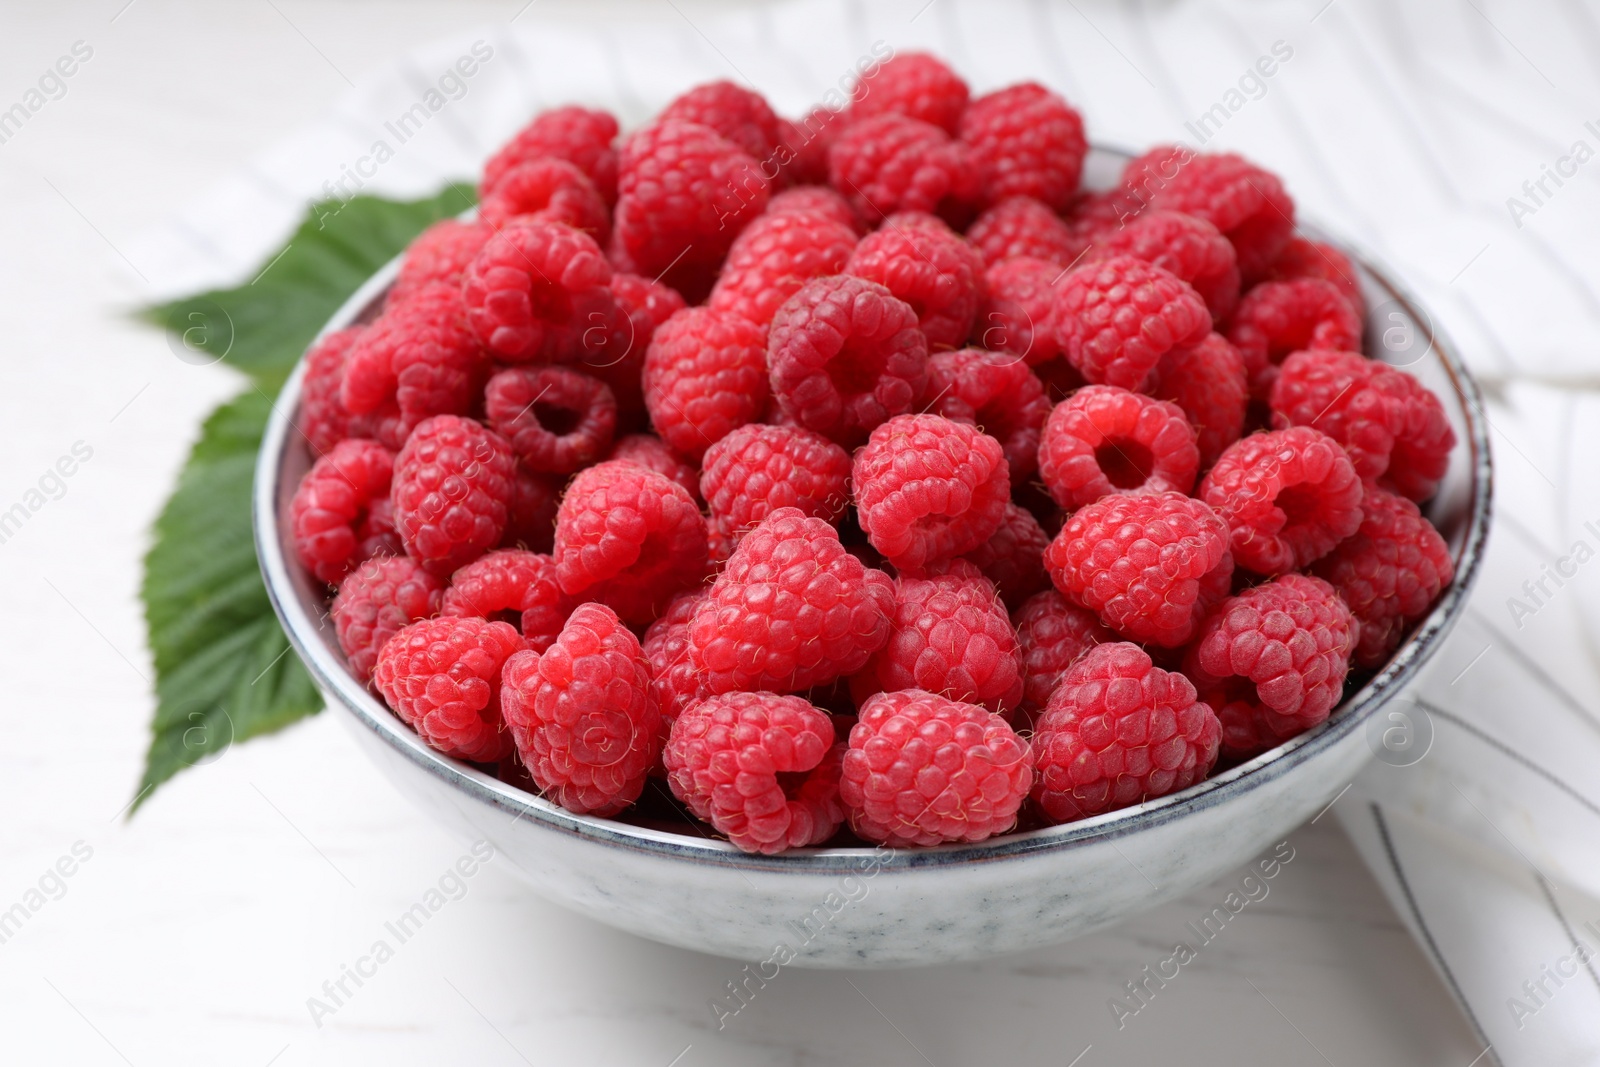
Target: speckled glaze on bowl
(860,907)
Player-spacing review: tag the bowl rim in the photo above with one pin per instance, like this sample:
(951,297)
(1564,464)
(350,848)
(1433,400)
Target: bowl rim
(329,671)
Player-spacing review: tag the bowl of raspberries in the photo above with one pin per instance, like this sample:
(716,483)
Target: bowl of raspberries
(899,534)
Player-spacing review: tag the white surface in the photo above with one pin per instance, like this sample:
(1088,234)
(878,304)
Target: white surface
(197,931)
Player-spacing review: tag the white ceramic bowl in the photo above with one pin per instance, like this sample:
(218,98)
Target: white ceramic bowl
(861,907)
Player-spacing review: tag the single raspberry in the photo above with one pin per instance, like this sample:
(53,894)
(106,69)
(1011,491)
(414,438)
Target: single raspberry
(1092,215)
(652,453)
(760,768)
(441,253)
(418,356)
(579,135)
(949,635)
(1248,204)
(442,678)
(1052,632)
(817,200)
(1028,141)
(1013,556)
(1117,317)
(704,375)
(924,770)
(809,139)
(775,255)
(331,502)
(511,585)
(556,419)
(582,715)
(1389,572)
(1189,247)
(685,192)
(1022,226)
(550,190)
(791,610)
(1017,313)
(1150,564)
(995,392)
(1272,661)
(843,355)
(673,678)
(740,115)
(757,469)
(916,84)
(893,163)
(531,511)
(1207,381)
(1104,440)
(378,598)
(1393,427)
(641,306)
(453,482)
(323,418)
(1119,731)
(529,289)
(918,259)
(629,538)
(1304,258)
(1288,496)
(928,489)
(1277,318)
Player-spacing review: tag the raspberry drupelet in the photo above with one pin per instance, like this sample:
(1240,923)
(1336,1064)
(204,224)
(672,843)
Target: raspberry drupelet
(581,136)
(775,255)
(1119,731)
(1022,226)
(1052,632)
(1277,318)
(442,678)
(375,601)
(556,419)
(918,259)
(1105,440)
(453,483)
(1118,316)
(762,769)
(996,392)
(333,504)
(705,374)
(893,163)
(1027,141)
(757,469)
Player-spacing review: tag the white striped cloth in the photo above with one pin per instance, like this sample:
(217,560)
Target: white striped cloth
(1456,141)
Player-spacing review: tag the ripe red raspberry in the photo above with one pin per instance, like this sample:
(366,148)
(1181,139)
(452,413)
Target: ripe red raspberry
(441,253)
(673,678)
(512,585)
(685,192)
(949,635)
(1013,556)
(740,115)
(453,482)
(928,489)
(923,770)
(809,139)
(892,163)
(332,502)
(524,288)
(550,190)
(817,200)
(1117,317)
(843,355)
(378,598)
(774,256)
(704,375)
(1027,141)
(1207,381)
(1288,496)
(641,306)
(1104,440)
(1120,731)
(791,610)
(760,768)
(1017,313)
(915,84)
(1093,215)
(1150,564)
(1248,204)
(578,135)
(531,511)
(417,356)
(652,453)
(1022,226)
(322,418)
(556,419)
(629,538)
(918,259)
(1393,427)
(1189,247)
(1389,572)
(1052,632)
(1272,661)
(996,392)
(1304,258)
(757,469)
(442,678)
(582,715)
(1277,318)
